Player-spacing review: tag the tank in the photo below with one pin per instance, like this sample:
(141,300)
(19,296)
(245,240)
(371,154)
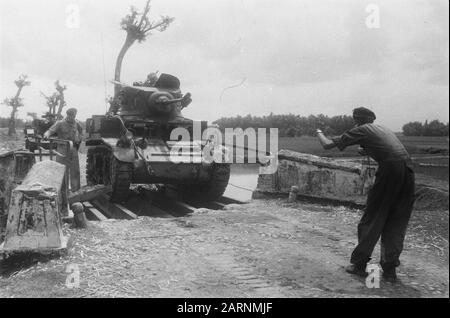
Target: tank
(132,145)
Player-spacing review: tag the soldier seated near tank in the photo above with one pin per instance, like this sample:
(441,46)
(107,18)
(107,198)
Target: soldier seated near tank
(116,103)
(151,80)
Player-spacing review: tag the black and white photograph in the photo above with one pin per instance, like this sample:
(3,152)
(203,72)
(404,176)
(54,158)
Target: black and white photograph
(224,154)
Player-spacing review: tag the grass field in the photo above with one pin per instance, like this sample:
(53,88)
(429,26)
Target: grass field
(311,145)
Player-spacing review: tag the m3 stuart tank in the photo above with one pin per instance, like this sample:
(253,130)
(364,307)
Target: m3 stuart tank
(132,145)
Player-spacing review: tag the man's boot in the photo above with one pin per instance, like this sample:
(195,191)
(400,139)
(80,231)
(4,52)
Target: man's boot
(390,275)
(357,269)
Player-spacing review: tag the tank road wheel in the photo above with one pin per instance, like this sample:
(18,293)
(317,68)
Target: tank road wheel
(214,188)
(121,176)
(98,166)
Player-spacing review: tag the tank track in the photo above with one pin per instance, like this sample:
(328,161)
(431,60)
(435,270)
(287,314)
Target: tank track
(121,176)
(103,168)
(219,181)
(98,166)
(214,188)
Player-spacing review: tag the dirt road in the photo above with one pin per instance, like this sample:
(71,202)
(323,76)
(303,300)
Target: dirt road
(267,248)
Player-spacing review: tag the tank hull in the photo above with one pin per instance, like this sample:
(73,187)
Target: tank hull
(189,171)
(172,173)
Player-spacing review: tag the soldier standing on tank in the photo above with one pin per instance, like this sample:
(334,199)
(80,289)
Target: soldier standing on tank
(390,200)
(69,129)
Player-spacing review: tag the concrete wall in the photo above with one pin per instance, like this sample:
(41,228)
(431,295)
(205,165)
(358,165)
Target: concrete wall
(318,177)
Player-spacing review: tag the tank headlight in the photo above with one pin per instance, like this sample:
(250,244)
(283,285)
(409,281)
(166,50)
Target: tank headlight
(129,135)
(126,140)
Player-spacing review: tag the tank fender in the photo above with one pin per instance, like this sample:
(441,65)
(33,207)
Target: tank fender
(121,154)
(96,142)
(108,142)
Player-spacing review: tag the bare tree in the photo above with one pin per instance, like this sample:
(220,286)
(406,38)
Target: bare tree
(60,89)
(138,27)
(55,100)
(51,102)
(16,102)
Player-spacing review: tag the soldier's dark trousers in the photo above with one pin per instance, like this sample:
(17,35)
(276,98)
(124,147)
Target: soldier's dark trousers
(71,161)
(388,210)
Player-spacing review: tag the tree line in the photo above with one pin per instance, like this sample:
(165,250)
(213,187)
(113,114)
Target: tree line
(433,128)
(290,125)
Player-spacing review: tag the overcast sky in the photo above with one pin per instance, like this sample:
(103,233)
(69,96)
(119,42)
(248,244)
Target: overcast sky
(291,56)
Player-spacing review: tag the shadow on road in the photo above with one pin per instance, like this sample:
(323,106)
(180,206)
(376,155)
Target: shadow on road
(18,262)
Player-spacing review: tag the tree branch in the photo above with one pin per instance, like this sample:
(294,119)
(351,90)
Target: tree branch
(144,14)
(152,27)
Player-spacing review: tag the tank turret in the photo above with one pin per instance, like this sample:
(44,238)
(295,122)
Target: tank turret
(161,101)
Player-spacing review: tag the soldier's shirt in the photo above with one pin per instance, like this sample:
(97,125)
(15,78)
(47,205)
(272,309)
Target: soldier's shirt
(379,142)
(67,130)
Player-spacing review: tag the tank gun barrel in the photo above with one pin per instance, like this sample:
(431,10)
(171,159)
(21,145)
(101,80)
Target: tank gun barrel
(269,156)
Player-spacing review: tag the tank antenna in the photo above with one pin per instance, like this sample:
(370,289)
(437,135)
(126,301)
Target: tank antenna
(104,71)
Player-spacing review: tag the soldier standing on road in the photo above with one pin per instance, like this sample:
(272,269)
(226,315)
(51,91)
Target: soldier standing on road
(390,200)
(69,129)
